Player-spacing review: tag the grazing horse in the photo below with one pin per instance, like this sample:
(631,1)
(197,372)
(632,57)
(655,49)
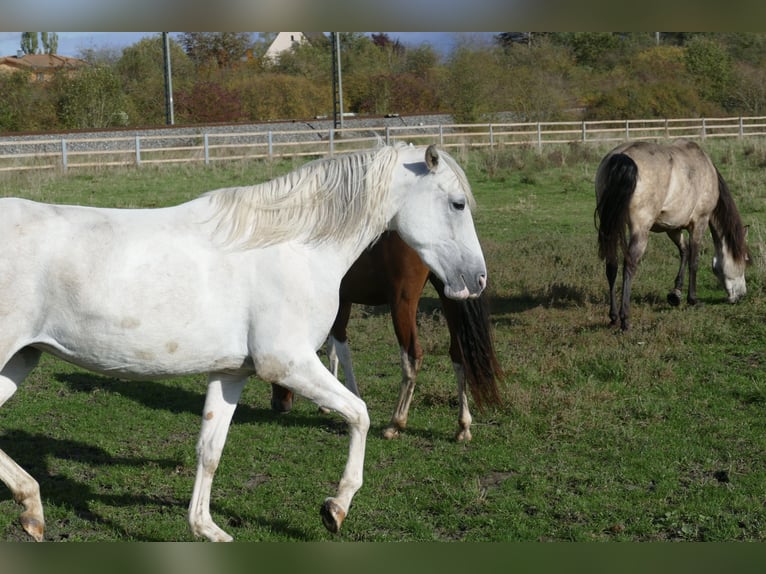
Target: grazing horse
(667,188)
(240,281)
(390,272)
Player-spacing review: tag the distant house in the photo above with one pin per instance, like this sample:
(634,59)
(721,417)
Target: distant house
(40,67)
(286,40)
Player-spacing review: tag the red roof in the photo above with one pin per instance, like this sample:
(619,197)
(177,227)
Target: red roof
(41,62)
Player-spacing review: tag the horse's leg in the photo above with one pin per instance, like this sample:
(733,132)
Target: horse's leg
(636,248)
(220,402)
(696,234)
(611,277)
(281,399)
(464,418)
(338,350)
(452,316)
(677,236)
(310,379)
(404,314)
(25,489)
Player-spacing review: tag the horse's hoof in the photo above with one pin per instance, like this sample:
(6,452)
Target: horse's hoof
(674,298)
(332,515)
(390,433)
(33,526)
(463,435)
(281,407)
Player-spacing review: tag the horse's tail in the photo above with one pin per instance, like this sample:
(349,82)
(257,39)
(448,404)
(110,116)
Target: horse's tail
(477,350)
(615,183)
(471,332)
(729,221)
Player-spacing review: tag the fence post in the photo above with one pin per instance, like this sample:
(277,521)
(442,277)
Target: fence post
(704,129)
(271,145)
(539,138)
(207,148)
(491,137)
(63,154)
(627,129)
(741,128)
(138,150)
(332,141)
(441,135)
(583,132)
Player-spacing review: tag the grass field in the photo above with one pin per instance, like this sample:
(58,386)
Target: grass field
(652,435)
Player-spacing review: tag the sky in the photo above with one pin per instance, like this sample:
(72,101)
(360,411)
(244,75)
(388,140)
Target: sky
(73,43)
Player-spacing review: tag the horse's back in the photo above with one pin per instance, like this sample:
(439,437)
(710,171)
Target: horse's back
(676,183)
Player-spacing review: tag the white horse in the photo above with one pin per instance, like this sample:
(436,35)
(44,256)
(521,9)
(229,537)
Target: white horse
(240,281)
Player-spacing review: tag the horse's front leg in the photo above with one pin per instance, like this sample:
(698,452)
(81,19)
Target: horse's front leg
(677,236)
(464,418)
(410,366)
(222,395)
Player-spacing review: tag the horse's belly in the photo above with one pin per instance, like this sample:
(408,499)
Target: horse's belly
(148,362)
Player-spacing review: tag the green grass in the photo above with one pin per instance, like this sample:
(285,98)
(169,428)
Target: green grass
(652,435)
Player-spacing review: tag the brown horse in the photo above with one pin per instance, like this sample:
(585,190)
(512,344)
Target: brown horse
(667,188)
(392,273)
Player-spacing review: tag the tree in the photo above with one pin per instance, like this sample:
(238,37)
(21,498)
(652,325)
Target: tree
(711,67)
(92,98)
(50,41)
(29,43)
(141,74)
(220,49)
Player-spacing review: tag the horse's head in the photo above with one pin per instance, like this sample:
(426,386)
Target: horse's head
(731,276)
(435,220)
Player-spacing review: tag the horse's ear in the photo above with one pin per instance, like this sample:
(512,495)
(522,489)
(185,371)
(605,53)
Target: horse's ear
(432,157)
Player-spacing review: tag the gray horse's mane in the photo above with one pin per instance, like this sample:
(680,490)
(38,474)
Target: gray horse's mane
(336,198)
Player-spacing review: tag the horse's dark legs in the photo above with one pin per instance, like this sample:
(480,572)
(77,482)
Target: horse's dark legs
(695,241)
(636,248)
(404,313)
(677,236)
(611,277)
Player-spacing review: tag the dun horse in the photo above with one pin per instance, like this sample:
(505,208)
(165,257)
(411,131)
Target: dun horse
(240,281)
(666,188)
(390,272)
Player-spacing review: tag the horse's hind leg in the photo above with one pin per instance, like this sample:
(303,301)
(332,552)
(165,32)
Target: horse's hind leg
(677,236)
(25,489)
(611,277)
(636,248)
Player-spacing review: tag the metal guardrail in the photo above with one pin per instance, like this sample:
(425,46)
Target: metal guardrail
(65,152)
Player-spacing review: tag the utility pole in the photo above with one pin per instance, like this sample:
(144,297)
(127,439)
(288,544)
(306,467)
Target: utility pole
(168,81)
(337,83)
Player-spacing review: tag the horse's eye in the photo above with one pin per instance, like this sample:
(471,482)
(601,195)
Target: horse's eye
(458,205)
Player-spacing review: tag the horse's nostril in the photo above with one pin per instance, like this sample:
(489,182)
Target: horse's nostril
(482,281)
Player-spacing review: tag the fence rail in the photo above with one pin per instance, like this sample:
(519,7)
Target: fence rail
(201,146)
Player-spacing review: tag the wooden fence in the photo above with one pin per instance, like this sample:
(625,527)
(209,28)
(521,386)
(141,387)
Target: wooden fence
(200,145)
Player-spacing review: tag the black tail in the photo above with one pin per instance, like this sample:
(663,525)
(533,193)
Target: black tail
(477,347)
(471,328)
(615,183)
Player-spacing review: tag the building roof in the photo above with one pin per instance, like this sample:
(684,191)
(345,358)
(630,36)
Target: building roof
(41,62)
